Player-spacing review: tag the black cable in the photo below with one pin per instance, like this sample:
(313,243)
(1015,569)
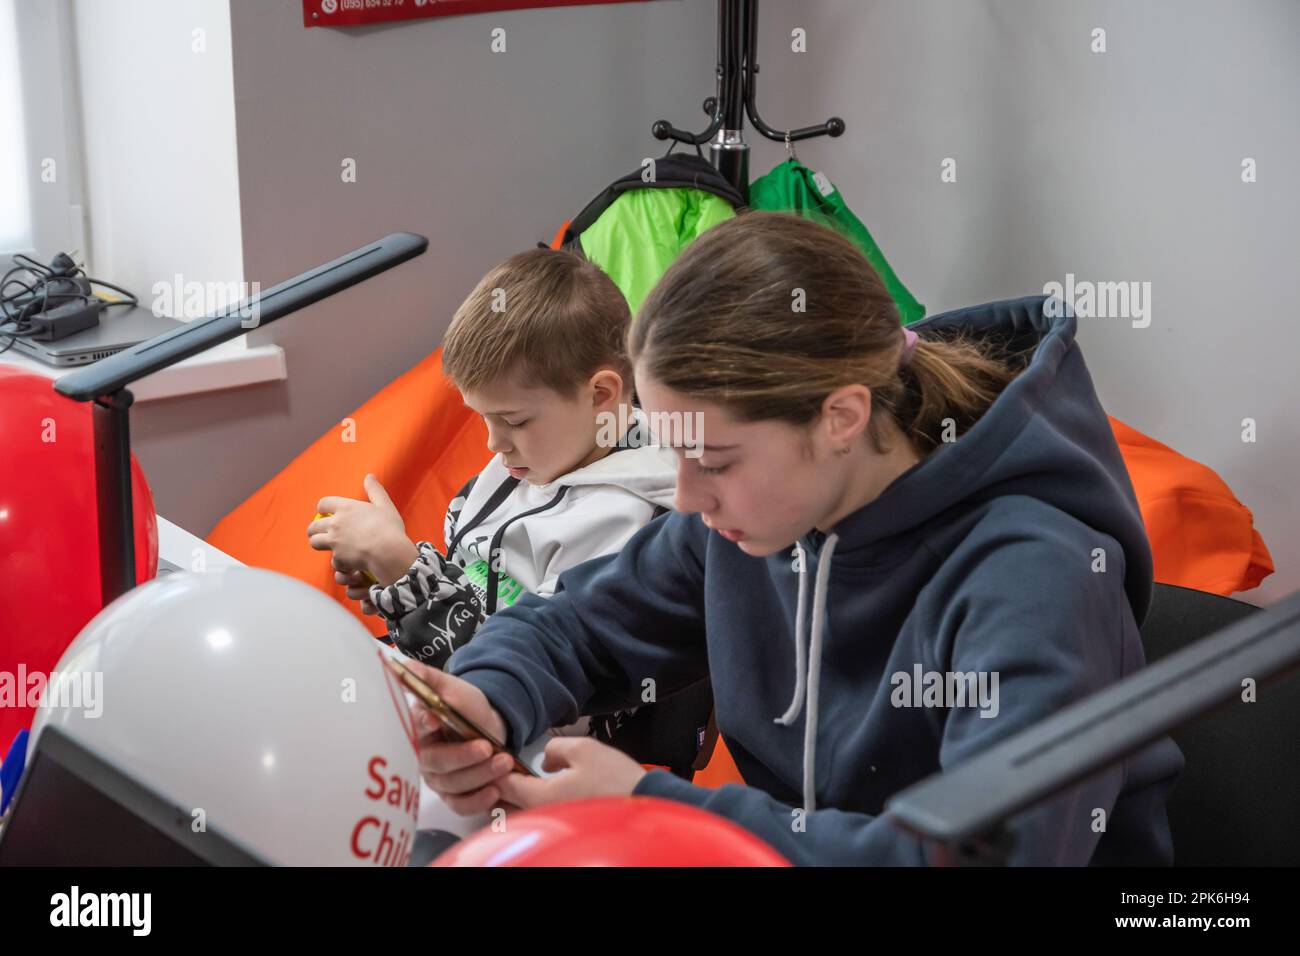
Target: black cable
(17,324)
(32,265)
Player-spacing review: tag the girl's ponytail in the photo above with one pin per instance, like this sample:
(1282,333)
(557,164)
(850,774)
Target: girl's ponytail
(946,386)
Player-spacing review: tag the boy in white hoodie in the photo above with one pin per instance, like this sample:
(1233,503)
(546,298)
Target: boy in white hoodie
(537,349)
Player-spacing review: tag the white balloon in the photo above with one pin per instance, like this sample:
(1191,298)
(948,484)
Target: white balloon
(257,703)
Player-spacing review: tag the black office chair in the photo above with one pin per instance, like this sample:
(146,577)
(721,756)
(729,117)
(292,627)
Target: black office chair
(1238,800)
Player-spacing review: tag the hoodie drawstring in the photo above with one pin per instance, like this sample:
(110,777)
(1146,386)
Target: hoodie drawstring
(808,676)
(796,703)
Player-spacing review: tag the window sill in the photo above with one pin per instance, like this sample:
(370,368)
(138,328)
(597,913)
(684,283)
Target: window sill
(231,364)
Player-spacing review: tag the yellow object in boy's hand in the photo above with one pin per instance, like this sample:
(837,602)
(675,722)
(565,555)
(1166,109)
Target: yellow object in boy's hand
(370,577)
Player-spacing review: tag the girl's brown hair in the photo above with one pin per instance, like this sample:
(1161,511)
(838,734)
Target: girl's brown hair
(767,314)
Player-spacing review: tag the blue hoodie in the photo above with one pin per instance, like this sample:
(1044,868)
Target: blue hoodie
(1015,554)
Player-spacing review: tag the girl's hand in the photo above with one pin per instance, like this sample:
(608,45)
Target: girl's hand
(464,774)
(588,768)
(364,535)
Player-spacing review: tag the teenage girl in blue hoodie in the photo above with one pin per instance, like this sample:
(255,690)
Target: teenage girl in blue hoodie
(872,512)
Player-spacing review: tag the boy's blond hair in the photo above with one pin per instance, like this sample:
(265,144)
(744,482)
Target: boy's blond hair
(543,317)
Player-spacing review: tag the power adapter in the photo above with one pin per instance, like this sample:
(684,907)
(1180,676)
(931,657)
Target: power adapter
(64,320)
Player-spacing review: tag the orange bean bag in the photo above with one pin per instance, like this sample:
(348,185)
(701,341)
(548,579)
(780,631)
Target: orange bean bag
(1201,536)
(415,436)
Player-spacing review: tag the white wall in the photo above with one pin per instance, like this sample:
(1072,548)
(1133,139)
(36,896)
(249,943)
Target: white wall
(162,181)
(39,77)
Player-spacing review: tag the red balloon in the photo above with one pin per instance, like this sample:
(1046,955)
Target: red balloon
(49,535)
(613,831)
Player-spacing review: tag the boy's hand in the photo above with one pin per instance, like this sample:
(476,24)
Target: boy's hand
(464,774)
(364,535)
(358,588)
(588,768)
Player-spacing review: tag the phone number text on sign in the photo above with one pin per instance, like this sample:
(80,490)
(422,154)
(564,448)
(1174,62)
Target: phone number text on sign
(344,13)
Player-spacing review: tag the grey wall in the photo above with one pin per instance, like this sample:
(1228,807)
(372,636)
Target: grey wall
(1116,166)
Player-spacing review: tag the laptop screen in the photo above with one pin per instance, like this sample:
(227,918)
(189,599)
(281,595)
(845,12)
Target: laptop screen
(73,809)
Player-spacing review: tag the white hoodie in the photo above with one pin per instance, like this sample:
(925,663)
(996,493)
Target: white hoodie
(576,517)
(539,531)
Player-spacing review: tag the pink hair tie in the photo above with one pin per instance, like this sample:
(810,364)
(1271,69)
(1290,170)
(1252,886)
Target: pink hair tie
(909,346)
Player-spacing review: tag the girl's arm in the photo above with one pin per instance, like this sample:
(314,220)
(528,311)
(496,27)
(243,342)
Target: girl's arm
(619,631)
(1060,633)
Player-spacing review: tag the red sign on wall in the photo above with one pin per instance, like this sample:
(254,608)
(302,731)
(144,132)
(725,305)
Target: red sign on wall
(347,13)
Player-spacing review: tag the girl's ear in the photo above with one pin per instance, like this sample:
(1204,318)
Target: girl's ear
(845,415)
(606,388)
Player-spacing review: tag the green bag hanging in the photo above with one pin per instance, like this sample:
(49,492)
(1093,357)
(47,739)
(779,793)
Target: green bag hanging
(794,188)
(637,238)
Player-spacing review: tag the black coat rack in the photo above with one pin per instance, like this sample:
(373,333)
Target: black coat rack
(737,69)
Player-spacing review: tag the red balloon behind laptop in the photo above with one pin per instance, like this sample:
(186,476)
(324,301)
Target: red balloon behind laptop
(613,831)
(49,536)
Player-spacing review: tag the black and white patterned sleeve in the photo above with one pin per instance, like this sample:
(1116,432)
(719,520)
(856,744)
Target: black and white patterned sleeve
(431,610)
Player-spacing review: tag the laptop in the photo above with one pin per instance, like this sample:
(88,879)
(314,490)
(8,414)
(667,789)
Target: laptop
(76,808)
(119,328)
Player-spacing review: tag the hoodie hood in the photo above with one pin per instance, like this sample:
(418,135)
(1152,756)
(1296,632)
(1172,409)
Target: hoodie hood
(647,471)
(1045,436)
(541,530)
